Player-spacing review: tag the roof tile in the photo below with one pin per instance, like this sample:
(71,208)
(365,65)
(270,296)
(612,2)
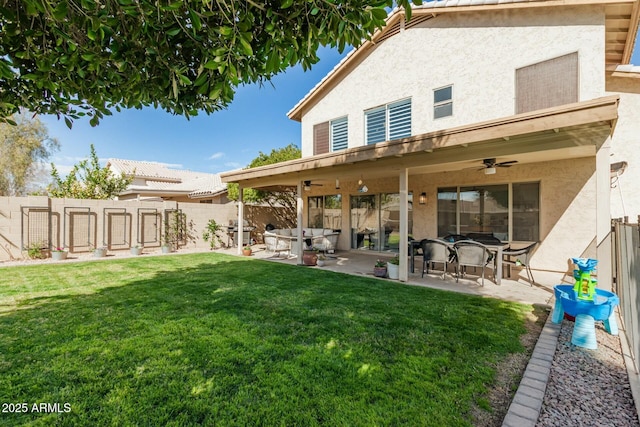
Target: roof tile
(160,177)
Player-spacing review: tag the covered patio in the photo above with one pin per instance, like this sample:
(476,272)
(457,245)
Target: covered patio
(359,263)
(564,151)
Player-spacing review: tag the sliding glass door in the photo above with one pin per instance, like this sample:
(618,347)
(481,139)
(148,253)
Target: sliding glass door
(364,221)
(375,221)
(510,211)
(485,210)
(325,211)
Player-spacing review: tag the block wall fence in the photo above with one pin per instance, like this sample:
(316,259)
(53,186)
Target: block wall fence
(81,225)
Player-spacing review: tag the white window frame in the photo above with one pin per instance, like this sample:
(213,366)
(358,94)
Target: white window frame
(387,109)
(442,103)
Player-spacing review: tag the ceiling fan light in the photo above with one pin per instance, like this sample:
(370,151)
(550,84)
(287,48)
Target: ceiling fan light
(490,171)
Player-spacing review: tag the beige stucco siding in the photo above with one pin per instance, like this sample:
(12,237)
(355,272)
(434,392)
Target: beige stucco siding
(625,200)
(477,53)
(567,200)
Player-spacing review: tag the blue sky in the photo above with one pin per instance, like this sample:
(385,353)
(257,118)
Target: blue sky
(225,140)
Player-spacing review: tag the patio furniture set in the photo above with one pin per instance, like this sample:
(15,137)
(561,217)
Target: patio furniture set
(284,239)
(477,250)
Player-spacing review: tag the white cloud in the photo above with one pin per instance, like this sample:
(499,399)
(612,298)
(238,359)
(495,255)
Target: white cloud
(216,155)
(63,164)
(68,159)
(63,170)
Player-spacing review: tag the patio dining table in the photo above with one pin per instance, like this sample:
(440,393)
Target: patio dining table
(414,245)
(495,248)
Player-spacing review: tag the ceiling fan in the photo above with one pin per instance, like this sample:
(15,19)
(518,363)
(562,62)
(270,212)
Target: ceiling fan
(307,185)
(490,165)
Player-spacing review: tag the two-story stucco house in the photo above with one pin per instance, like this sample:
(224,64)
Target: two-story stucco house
(518,118)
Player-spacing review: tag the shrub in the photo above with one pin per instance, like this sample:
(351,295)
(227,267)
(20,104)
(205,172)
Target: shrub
(210,234)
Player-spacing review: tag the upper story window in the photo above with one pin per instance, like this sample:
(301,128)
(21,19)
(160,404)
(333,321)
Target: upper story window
(547,84)
(321,138)
(330,136)
(339,134)
(443,102)
(391,121)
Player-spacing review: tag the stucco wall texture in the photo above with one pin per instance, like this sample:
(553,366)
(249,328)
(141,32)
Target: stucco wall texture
(625,200)
(477,53)
(567,195)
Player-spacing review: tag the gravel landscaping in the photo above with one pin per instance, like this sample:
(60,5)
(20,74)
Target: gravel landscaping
(588,387)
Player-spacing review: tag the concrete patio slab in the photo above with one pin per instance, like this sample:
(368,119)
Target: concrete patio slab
(360,263)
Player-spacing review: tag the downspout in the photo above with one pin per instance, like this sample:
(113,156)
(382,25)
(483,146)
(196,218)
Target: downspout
(603,215)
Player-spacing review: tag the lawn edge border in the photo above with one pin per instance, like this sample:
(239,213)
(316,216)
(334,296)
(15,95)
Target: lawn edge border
(524,409)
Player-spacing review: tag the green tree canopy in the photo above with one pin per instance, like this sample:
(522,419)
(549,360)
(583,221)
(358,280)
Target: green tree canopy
(23,150)
(87,180)
(283,202)
(86,57)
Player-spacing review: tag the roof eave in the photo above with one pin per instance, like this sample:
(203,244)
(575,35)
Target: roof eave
(632,33)
(201,195)
(154,191)
(598,110)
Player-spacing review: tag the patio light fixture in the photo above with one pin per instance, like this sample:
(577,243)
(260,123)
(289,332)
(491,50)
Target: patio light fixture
(489,171)
(337,184)
(423,198)
(361,187)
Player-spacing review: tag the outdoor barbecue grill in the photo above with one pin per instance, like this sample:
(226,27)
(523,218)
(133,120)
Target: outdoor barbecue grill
(232,233)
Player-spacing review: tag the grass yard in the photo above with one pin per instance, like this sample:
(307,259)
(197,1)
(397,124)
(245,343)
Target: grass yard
(210,339)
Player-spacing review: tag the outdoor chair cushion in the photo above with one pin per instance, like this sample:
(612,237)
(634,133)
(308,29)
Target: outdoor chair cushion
(283,239)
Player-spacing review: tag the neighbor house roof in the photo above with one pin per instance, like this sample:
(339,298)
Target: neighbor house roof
(160,179)
(622,18)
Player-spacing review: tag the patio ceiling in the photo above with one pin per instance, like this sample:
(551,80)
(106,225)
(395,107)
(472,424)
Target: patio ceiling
(569,131)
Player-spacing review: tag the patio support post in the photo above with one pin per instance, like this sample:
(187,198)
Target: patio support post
(299,209)
(404,225)
(603,215)
(240,243)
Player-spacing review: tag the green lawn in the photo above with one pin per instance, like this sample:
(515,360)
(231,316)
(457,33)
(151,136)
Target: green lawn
(219,340)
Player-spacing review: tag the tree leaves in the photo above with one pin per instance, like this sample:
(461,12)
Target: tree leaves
(24,146)
(284,200)
(185,57)
(87,180)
